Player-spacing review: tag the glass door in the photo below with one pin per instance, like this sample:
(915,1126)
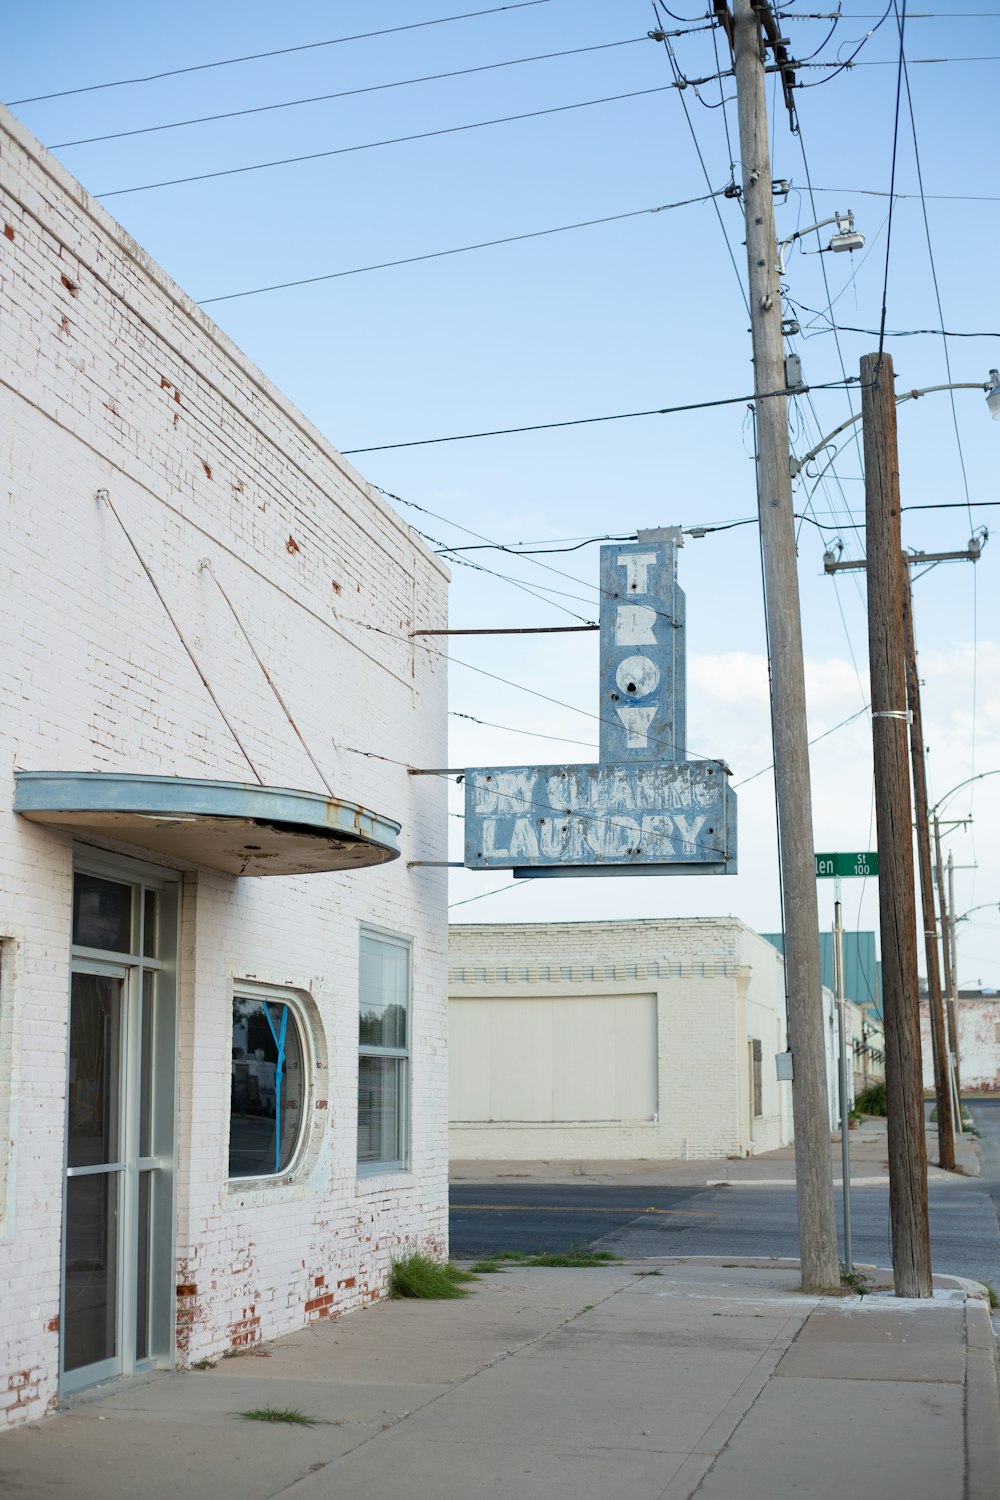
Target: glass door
(118,1233)
(95,1171)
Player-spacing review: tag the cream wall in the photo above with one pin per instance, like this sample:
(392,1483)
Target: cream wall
(669,1009)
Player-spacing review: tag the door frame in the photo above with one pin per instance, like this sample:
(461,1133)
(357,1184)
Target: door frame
(132,969)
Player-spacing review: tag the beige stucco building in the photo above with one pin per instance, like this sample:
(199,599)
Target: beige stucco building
(613,1040)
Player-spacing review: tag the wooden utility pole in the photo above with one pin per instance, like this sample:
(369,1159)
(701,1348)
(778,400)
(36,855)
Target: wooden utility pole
(911,1248)
(813,1176)
(949,987)
(942,1081)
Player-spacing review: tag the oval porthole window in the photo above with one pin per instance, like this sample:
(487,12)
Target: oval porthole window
(268,1086)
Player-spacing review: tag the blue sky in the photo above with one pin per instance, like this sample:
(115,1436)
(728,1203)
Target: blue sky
(643,312)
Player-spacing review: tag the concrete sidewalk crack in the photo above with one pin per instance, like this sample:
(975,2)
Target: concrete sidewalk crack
(489,1364)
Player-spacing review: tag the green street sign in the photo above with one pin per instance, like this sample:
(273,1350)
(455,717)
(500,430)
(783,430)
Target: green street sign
(844,866)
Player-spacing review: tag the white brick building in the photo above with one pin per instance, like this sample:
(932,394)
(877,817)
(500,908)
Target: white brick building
(615,1040)
(193,1155)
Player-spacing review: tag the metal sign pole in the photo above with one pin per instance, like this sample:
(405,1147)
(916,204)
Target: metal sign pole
(845,1124)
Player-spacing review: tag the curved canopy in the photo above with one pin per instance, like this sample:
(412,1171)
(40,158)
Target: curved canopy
(230,826)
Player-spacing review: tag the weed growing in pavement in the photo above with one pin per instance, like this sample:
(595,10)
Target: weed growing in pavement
(292,1415)
(992,1293)
(575,1256)
(854,1281)
(431,1280)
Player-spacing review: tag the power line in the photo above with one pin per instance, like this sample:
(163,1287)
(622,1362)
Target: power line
(622,416)
(372,88)
(513,729)
(894,333)
(934,275)
(498,890)
(678,78)
(396,140)
(832,730)
(409,260)
(848,62)
(228,62)
(929,197)
(892,188)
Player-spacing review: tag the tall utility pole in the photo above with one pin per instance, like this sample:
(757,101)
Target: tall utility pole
(814,1180)
(942,1079)
(949,987)
(953,992)
(911,1246)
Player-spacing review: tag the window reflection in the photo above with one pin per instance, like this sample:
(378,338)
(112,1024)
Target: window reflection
(267,1088)
(102,914)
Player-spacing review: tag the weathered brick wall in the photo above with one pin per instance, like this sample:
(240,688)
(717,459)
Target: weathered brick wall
(978,1044)
(712,979)
(111,380)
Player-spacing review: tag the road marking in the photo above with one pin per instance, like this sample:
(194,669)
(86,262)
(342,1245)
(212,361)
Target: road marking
(559,1208)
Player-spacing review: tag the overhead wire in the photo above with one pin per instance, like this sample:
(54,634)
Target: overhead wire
(228,62)
(849,61)
(657,411)
(396,140)
(895,333)
(892,190)
(408,260)
(951,393)
(672,62)
(372,88)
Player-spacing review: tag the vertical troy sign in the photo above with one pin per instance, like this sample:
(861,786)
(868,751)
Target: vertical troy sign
(644,808)
(642,650)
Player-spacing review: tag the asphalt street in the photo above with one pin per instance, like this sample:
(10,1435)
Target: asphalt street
(747,1220)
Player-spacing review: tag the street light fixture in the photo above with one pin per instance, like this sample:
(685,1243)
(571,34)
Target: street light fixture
(846,238)
(993,395)
(990,386)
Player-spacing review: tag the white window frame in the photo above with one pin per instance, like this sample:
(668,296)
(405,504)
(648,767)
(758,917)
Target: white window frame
(252,989)
(400,1163)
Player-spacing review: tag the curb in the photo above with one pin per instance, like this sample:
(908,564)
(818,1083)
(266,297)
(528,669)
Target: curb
(982,1403)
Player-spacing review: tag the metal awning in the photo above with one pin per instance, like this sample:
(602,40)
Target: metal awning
(232,826)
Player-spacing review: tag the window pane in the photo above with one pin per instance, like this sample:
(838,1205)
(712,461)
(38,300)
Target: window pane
(384,993)
(146,1066)
(149,924)
(268,1087)
(91,1269)
(92,1116)
(102,914)
(142,1278)
(380,1109)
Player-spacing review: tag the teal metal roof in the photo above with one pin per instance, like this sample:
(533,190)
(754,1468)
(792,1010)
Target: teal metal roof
(232,826)
(862,974)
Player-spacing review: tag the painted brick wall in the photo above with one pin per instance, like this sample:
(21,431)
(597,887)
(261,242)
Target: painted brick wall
(978,1043)
(702,971)
(112,381)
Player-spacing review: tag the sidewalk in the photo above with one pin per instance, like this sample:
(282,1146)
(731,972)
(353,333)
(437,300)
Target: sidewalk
(869,1165)
(642,1381)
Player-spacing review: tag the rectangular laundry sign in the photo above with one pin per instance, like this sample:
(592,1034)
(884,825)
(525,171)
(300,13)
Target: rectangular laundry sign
(651,819)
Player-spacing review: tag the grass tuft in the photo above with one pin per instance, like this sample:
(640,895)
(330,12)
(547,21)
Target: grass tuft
(292,1415)
(575,1256)
(419,1276)
(872,1101)
(854,1281)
